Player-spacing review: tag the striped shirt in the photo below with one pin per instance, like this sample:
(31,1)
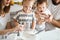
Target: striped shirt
(27,18)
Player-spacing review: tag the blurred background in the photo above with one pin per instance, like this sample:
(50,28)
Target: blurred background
(16,5)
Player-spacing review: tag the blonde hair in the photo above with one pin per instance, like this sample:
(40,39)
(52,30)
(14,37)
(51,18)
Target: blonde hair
(28,1)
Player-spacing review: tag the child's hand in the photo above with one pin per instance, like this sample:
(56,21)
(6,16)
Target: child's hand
(46,17)
(19,28)
(40,17)
(22,27)
(3,14)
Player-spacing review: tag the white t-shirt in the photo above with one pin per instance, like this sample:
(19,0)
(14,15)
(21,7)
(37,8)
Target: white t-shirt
(41,27)
(55,11)
(4,20)
(27,18)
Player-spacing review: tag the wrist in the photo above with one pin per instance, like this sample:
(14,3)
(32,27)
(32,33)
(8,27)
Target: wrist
(53,21)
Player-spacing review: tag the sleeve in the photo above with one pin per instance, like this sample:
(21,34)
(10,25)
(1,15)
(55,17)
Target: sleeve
(15,17)
(34,18)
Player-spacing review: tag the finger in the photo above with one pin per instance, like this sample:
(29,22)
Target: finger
(47,17)
(43,14)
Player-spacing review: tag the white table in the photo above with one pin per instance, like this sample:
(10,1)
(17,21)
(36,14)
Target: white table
(49,35)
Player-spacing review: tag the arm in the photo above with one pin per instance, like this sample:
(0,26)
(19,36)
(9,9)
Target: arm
(56,23)
(20,26)
(9,26)
(16,28)
(33,22)
(8,29)
(51,20)
(2,32)
(33,25)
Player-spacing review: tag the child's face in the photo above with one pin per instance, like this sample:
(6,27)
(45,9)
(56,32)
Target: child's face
(27,6)
(41,7)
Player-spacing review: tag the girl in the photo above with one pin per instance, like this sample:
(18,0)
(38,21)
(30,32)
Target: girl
(5,26)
